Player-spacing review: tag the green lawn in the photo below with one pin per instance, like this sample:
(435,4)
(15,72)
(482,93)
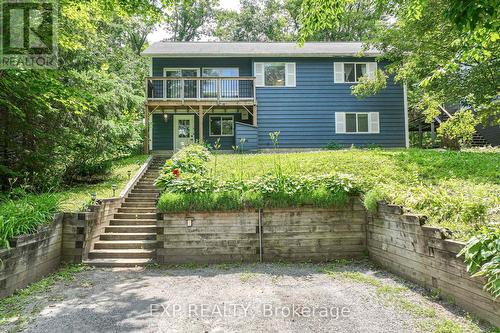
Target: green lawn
(74,197)
(23,214)
(457,190)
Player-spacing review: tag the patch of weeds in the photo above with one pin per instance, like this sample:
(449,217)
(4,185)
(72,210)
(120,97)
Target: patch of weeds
(86,284)
(227,266)
(332,266)
(188,266)
(428,318)
(275,279)
(12,307)
(247,276)
(152,265)
(360,278)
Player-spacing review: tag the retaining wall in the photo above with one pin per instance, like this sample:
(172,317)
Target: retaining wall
(305,234)
(402,243)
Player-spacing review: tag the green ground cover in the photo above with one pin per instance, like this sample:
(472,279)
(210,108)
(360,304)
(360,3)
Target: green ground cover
(456,190)
(22,213)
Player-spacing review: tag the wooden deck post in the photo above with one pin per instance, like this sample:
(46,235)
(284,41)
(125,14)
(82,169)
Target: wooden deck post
(200,123)
(254,118)
(146,130)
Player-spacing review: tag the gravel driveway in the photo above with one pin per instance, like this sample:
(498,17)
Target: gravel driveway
(334,297)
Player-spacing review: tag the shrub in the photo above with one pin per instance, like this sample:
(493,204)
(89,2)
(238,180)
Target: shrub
(25,215)
(192,159)
(333,145)
(482,255)
(458,131)
(371,198)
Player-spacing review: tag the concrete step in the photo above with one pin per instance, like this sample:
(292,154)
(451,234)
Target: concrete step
(125,244)
(146,186)
(147,204)
(152,201)
(134,210)
(143,195)
(148,216)
(122,254)
(138,222)
(122,229)
(118,262)
(145,190)
(128,236)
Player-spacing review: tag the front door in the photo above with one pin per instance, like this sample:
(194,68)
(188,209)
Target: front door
(183,130)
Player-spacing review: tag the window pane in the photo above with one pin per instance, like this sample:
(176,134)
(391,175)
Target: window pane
(184,128)
(274,74)
(360,71)
(348,72)
(218,72)
(189,73)
(215,126)
(350,122)
(363,123)
(227,126)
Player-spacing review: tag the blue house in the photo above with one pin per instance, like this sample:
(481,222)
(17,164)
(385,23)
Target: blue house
(204,91)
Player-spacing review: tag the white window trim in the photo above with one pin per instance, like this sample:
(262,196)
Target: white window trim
(221,67)
(264,73)
(210,125)
(354,63)
(165,69)
(357,125)
(367,63)
(357,122)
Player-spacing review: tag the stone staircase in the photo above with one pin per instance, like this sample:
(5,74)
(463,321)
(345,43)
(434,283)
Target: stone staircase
(130,238)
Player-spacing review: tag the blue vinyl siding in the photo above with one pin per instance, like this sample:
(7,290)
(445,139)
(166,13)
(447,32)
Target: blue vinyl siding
(244,64)
(305,114)
(249,133)
(163,135)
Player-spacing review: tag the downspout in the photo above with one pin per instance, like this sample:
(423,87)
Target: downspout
(405,101)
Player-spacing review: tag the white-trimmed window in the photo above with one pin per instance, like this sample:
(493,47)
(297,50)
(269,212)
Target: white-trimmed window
(357,122)
(221,125)
(351,72)
(274,74)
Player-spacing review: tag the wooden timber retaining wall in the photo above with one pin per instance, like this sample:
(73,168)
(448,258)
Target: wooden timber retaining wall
(303,234)
(402,243)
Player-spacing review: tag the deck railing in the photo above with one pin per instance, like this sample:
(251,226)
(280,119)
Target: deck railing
(200,88)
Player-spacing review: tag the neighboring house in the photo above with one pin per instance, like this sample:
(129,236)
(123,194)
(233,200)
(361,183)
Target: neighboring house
(202,91)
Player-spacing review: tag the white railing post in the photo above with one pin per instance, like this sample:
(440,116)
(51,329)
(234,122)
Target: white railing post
(218,89)
(182,90)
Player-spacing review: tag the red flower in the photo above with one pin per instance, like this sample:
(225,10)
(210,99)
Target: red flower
(176,173)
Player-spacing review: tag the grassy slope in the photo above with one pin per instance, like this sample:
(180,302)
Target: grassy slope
(74,197)
(455,189)
(24,215)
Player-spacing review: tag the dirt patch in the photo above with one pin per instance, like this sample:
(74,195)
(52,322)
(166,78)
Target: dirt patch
(341,296)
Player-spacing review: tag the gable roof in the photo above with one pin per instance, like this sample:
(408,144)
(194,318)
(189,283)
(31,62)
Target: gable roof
(256,49)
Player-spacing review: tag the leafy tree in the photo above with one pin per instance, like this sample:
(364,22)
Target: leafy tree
(257,20)
(447,51)
(188,20)
(57,126)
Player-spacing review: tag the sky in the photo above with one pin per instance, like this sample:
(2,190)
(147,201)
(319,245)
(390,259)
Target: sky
(159,34)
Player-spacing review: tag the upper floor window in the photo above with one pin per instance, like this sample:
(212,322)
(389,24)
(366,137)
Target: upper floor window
(220,72)
(274,74)
(351,72)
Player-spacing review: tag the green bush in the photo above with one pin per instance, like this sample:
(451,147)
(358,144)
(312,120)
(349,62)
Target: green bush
(192,159)
(25,215)
(482,255)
